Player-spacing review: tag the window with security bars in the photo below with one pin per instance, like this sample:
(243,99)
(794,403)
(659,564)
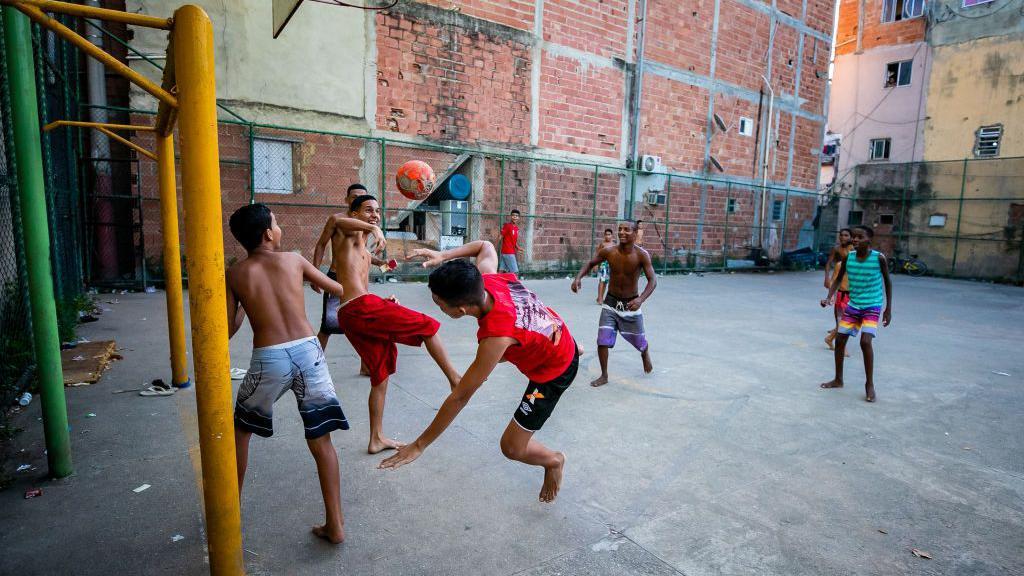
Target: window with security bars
(730,205)
(986,141)
(778,209)
(880,148)
(272,166)
(896,10)
(898,73)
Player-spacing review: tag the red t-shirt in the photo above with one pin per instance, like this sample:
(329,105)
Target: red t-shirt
(545,348)
(509,238)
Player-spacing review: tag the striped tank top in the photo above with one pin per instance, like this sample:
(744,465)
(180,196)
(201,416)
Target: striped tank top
(865,280)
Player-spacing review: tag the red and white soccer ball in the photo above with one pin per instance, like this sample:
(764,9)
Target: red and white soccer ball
(415,180)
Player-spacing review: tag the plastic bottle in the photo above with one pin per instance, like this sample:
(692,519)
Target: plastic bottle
(25,399)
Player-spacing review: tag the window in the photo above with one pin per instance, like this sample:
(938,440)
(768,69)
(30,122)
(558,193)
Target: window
(898,73)
(778,209)
(937,221)
(888,219)
(969,3)
(855,218)
(896,10)
(746,126)
(986,141)
(730,205)
(880,148)
(272,166)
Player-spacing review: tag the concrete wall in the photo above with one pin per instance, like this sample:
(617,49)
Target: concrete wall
(311,76)
(952,23)
(862,109)
(974,84)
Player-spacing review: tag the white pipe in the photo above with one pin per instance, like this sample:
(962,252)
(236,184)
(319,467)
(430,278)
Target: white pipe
(767,156)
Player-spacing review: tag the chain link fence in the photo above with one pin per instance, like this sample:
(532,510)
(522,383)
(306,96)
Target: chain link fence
(962,219)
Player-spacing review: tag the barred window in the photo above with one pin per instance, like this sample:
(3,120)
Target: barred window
(986,141)
(272,166)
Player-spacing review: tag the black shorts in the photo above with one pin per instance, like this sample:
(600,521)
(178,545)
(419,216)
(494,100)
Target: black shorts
(539,399)
(329,318)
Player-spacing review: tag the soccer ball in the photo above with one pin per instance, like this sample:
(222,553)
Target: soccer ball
(415,180)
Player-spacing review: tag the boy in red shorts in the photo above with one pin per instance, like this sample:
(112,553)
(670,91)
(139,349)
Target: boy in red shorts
(372,324)
(514,326)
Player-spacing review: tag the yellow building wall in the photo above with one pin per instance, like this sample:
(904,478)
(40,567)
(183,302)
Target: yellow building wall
(974,84)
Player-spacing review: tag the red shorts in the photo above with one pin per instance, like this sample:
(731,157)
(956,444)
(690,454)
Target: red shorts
(374,325)
(842,300)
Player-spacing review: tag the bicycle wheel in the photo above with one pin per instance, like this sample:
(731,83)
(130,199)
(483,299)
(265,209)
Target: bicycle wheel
(915,268)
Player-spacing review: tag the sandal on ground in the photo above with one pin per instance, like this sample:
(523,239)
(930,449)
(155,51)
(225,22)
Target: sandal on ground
(157,391)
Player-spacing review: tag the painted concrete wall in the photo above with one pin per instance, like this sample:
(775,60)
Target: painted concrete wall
(974,84)
(952,23)
(311,76)
(862,109)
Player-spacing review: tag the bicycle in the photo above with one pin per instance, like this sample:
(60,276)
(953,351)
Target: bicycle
(911,266)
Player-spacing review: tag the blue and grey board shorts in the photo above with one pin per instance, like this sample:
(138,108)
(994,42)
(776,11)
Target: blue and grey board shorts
(509,263)
(298,366)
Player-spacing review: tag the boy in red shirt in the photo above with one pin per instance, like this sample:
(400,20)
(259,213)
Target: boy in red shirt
(514,326)
(510,244)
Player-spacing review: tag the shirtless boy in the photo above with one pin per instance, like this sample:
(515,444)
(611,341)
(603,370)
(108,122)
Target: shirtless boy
(372,324)
(267,286)
(620,312)
(603,274)
(836,256)
(514,326)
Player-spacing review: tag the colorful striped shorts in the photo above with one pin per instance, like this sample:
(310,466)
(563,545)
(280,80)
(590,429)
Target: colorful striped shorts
(856,320)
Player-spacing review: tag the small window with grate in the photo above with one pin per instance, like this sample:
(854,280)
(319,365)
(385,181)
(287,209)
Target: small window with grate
(778,209)
(986,141)
(730,205)
(880,148)
(272,166)
(898,73)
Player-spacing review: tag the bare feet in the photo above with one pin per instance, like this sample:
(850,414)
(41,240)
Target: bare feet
(599,381)
(829,339)
(334,535)
(378,445)
(869,392)
(552,480)
(646,356)
(835,383)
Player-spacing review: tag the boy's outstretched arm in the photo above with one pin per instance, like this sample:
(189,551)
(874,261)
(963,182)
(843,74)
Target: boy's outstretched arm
(487,357)
(887,314)
(349,226)
(652,281)
(599,257)
(236,314)
(323,241)
(835,284)
(318,280)
(482,250)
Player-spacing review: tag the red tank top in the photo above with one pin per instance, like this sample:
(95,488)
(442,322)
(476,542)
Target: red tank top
(545,348)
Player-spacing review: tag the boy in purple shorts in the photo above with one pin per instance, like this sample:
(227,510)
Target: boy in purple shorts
(620,311)
(870,292)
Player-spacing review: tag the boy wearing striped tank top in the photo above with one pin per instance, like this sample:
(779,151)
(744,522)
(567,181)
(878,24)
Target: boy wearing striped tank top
(870,297)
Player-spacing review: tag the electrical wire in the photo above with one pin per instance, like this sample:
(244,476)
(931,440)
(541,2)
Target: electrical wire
(347,5)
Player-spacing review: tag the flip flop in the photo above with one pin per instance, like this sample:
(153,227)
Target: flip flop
(238,373)
(157,391)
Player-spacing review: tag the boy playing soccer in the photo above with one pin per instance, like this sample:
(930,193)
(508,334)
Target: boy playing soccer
(514,326)
(620,310)
(868,273)
(286,355)
(372,324)
(510,244)
(835,257)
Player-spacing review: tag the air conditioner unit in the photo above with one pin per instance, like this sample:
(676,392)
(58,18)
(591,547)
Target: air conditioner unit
(656,198)
(650,163)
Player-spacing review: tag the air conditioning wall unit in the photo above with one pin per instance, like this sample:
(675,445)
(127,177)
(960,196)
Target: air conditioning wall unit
(649,163)
(656,198)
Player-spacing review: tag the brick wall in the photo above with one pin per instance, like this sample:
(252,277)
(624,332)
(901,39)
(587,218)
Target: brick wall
(581,107)
(876,33)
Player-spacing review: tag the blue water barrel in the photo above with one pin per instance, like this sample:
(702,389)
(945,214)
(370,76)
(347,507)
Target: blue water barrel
(459,187)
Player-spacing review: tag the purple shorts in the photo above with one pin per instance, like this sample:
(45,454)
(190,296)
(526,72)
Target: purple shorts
(616,319)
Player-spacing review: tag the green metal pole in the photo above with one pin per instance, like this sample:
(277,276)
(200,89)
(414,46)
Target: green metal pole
(785,220)
(25,116)
(632,193)
(725,233)
(252,165)
(501,193)
(383,188)
(593,214)
(959,213)
(668,203)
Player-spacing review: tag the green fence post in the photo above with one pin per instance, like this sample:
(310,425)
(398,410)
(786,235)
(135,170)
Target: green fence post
(959,213)
(632,193)
(785,220)
(725,233)
(35,231)
(900,236)
(252,165)
(384,188)
(593,213)
(668,203)
(501,192)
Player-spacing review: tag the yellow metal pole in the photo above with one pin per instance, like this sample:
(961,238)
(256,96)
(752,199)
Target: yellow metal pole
(93,12)
(92,50)
(197,125)
(107,125)
(127,143)
(172,259)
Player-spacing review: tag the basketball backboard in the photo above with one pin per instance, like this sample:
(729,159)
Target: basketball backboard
(283,11)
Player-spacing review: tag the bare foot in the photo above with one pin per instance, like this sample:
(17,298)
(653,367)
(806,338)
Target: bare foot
(332,535)
(828,340)
(379,445)
(835,383)
(869,392)
(599,381)
(646,356)
(552,480)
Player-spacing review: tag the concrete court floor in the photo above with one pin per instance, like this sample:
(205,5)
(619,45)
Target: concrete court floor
(728,459)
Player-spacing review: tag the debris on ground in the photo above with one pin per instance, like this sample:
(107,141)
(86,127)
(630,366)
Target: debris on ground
(78,358)
(23,467)
(238,373)
(142,488)
(33,493)
(921,554)
(25,399)
(157,388)
(1000,373)
(150,289)
(883,531)
(87,362)
(90,415)
(177,538)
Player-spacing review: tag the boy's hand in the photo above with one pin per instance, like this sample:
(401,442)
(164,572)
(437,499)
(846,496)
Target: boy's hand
(825,302)
(404,455)
(430,257)
(316,288)
(634,305)
(382,242)
(392,298)
(886,317)
(576,285)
